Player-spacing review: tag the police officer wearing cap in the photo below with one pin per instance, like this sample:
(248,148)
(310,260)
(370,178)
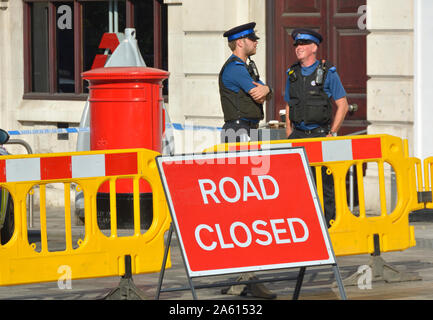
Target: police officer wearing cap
(310,86)
(242,92)
(242,96)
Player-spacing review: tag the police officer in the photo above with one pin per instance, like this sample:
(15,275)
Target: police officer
(242,96)
(242,92)
(310,86)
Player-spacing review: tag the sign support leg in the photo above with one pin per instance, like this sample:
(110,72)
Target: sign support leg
(299,281)
(164,261)
(339,282)
(191,285)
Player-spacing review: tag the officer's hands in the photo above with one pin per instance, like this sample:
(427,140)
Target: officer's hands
(260,92)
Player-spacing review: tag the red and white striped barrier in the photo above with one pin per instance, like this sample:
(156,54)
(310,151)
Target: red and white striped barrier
(328,150)
(67,167)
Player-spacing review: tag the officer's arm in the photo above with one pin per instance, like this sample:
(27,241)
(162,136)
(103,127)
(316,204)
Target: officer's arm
(287,98)
(288,123)
(342,108)
(260,92)
(335,88)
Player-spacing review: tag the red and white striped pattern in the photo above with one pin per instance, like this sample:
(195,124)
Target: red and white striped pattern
(67,167)
(329,150)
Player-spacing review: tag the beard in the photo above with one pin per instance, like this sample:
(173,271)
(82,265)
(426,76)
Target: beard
(251,52)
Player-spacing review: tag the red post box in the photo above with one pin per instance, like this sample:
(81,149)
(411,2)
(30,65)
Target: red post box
(126,112)
(125,107)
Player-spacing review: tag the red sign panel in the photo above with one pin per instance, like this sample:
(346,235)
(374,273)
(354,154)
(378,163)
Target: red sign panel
(245,211)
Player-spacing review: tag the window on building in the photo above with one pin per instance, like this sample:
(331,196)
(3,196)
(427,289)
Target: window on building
(62,39)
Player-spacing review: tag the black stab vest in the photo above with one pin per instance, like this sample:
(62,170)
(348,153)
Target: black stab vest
(238,105)
(308,101)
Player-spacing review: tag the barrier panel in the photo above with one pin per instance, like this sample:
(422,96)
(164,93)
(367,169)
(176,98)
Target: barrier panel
(363,233)
(96,254)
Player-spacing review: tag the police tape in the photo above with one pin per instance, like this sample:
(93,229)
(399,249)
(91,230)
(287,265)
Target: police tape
(179,126)
(176,126)
(47,131)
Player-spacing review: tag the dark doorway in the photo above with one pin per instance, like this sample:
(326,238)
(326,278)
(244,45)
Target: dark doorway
(342,25)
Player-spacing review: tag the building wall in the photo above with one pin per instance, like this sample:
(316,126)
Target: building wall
(390,68)
(196,52)
(423,69)
(390,88)
(20,114)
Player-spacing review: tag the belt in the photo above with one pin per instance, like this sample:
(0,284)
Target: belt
(315,130)
(252,124)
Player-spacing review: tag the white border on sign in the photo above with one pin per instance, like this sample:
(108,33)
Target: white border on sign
(190,158)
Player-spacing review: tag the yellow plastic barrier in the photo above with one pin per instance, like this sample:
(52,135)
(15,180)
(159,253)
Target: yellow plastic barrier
(96,255)
(428,181)
(351,234)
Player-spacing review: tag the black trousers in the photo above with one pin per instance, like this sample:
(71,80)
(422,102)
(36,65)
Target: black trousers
(327,180)
(238,131)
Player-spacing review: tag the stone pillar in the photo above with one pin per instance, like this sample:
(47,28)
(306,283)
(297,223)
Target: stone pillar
(390,103)
(423,93)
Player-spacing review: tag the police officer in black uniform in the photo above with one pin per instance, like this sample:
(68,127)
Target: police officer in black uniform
(242,96)
(310,86)
(241,90)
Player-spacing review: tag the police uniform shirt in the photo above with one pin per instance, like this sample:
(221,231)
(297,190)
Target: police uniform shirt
(236,76)
(332,87)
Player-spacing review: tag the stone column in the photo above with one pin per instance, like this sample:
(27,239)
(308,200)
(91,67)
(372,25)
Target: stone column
(390,87)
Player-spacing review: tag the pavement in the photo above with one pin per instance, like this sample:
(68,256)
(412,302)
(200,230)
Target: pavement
(318,284)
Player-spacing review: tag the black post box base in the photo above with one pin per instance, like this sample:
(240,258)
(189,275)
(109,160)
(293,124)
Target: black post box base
(125,210)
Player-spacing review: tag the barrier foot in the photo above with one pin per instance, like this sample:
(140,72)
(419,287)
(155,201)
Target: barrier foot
(378,270)
(126,290)
(383,270)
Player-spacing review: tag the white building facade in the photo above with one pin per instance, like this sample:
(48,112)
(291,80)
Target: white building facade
(399,66)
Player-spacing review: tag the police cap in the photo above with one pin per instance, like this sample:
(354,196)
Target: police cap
(302,35)
(242,31)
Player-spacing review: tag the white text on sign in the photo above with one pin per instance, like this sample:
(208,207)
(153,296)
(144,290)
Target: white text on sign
(263,235)
(210,190)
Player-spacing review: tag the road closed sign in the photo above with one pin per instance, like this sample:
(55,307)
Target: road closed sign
(245,211)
